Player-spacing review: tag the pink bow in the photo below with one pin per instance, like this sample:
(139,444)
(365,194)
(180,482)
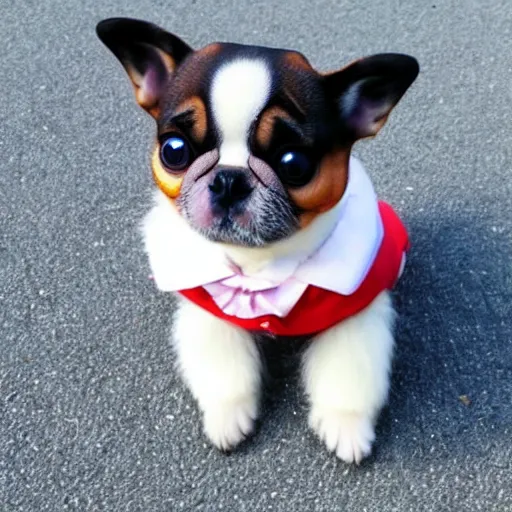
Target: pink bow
(247,297)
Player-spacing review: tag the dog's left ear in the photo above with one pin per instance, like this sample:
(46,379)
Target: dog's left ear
(367,90)
(148,53)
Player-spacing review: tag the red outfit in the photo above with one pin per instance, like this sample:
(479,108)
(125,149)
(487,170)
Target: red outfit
(319,309)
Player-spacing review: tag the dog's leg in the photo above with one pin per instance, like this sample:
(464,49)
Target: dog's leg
(346,376)
(221,365)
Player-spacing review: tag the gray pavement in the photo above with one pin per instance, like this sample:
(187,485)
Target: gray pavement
(92,414)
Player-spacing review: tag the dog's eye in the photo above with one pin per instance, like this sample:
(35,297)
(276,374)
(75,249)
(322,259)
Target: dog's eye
(295,169)
(175,153)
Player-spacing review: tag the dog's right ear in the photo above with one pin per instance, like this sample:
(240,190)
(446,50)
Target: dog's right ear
(148,53)
(368,89)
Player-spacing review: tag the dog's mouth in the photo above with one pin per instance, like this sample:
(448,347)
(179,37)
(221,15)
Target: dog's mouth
(228,230)
(265,218)
(237,205)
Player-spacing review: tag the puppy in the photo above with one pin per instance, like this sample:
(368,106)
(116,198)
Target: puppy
(264,222)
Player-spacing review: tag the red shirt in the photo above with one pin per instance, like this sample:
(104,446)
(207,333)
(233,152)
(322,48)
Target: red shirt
(319,309)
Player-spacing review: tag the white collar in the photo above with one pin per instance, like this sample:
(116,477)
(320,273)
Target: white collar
(182,259)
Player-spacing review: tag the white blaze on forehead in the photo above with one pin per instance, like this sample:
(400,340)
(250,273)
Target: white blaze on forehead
(240,90)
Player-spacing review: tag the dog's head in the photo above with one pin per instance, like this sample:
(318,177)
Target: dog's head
(252,143)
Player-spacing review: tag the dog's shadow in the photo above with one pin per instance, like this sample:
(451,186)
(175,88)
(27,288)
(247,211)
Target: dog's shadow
(452,366)
(452,362)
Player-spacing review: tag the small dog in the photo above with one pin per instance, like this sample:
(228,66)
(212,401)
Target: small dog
(264,222)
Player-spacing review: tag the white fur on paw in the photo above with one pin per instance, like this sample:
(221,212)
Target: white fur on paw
(350,435)
(227,424)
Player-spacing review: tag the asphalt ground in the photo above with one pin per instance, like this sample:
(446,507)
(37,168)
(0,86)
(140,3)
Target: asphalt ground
(92,414)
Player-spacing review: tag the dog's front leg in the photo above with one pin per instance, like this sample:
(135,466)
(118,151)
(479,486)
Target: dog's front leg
(221,365)
(346,376)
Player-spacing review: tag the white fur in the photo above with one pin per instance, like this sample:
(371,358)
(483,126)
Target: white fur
(300,245)
(221,365)
(239,92)
(163,228)
(172,244)
(346,377)
(346,369)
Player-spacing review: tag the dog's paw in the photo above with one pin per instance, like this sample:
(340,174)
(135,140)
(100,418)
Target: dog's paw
(350,435)
(227,424)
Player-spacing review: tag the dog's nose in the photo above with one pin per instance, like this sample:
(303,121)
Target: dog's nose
(229,187)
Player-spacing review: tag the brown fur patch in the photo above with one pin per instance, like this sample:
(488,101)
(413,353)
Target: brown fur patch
(200,126)
(326,188)
(297,60)
(210,51)
(266,124)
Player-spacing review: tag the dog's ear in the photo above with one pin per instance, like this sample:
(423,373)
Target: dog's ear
(368,89)
(148,53)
